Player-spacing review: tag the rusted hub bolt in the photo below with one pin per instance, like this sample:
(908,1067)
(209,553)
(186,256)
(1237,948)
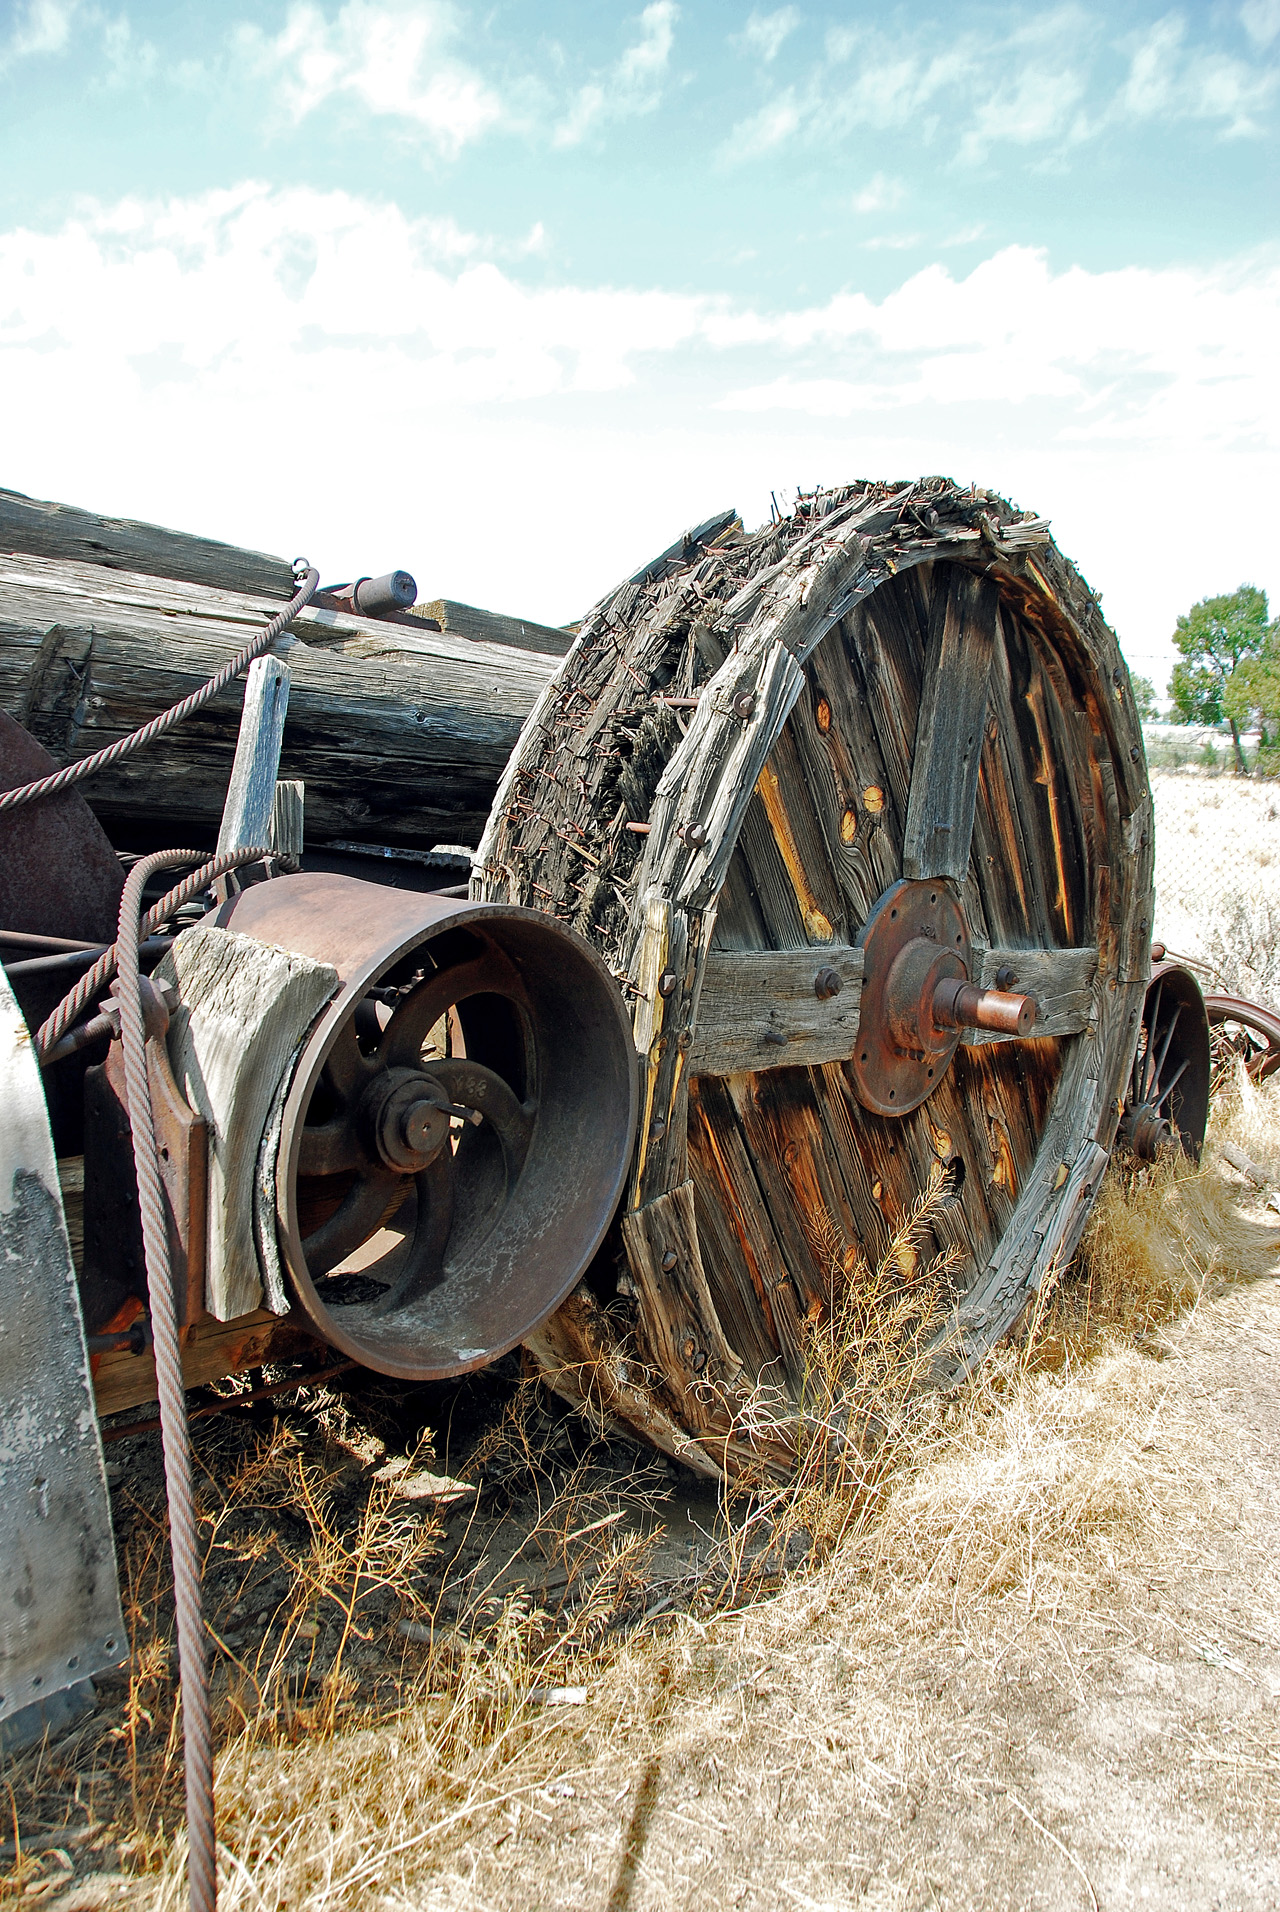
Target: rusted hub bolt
(915,977)
(406,1116)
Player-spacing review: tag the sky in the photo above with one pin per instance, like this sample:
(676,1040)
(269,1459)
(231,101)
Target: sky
(510,294)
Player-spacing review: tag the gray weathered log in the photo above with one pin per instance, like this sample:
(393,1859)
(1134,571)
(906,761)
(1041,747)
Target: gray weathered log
(399,738)
(120,544)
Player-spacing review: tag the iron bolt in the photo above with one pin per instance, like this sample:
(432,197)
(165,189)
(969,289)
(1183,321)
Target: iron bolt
(1006,976)
(667,983)
(827,983)
(695,834)
(669,1261)
(743,705)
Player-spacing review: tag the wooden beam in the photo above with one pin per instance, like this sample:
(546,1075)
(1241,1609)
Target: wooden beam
(760,1009)
(495,627)
(122,544)
(249,811)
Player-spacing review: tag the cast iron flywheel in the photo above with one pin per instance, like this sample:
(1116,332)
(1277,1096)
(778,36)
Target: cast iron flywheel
(459,1124)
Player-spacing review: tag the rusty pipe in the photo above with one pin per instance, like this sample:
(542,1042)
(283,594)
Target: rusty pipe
(962,1005)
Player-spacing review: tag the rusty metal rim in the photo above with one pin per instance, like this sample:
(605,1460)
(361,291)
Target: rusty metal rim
(306,1077)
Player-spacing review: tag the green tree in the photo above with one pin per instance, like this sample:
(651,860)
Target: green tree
(1144,696)
(1224,642)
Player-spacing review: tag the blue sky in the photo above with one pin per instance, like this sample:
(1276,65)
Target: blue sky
(509,294)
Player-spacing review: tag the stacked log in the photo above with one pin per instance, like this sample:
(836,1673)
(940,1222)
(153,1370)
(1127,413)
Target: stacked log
(399,732)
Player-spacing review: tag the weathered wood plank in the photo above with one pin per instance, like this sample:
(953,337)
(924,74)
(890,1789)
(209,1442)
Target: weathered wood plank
(761,1009)
(122,544)
(249,810)
(680,1321)
(949,732)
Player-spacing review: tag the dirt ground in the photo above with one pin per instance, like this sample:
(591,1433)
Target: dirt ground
(1116,1746)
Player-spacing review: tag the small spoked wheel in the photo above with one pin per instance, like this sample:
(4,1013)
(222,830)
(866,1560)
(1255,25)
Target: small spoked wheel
(1167,1102)
(409,1148)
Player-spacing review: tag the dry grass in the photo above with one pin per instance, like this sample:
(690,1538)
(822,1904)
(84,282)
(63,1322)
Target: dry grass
(557,1651)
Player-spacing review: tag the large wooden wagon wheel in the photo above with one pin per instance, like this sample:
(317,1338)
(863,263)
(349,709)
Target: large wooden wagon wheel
(856,808)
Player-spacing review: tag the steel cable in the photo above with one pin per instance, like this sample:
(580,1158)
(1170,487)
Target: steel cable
(197,1731)
(95,980)
(138,739)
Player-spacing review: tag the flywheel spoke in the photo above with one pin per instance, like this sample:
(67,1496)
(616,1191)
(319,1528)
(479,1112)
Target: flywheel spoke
(476,1087)
(358,1216)
(417,1015)
(432,1228)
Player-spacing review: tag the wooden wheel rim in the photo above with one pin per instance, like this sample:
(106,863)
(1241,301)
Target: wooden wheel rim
(772,608)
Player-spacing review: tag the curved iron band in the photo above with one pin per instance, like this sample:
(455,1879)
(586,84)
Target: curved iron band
(1175,1093)
(1262,1021)
(580,1152)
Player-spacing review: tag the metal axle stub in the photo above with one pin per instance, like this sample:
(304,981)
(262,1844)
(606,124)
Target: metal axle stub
(917,997)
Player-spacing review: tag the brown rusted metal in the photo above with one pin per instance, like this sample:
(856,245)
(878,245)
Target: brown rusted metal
(1167,1102)
(113,1272)
(1258,1039)
(419,1246)
(917,998)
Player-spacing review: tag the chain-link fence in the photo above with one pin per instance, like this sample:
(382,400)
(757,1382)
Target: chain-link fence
(1217,860)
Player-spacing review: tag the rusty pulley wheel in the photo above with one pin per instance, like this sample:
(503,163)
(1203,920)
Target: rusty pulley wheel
(458,1126)
(1167,1100)
(899,698)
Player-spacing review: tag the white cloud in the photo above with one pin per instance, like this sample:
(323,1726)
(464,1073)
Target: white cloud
(772,126)
(393,59)
(766,33)
(152,354)
(1170,80)
(633,85)
(1051,82)
(880,194)
(1261,20)
(41,26)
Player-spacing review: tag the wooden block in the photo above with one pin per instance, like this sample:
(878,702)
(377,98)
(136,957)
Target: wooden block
(495,627)
(1060,980)
(251,794)
(759,1009)
(244,1007)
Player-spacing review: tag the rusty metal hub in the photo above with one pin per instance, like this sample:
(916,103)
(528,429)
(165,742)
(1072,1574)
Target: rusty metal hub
(917,997)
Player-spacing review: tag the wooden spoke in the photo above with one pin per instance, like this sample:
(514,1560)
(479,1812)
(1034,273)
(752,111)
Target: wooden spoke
(950,728)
